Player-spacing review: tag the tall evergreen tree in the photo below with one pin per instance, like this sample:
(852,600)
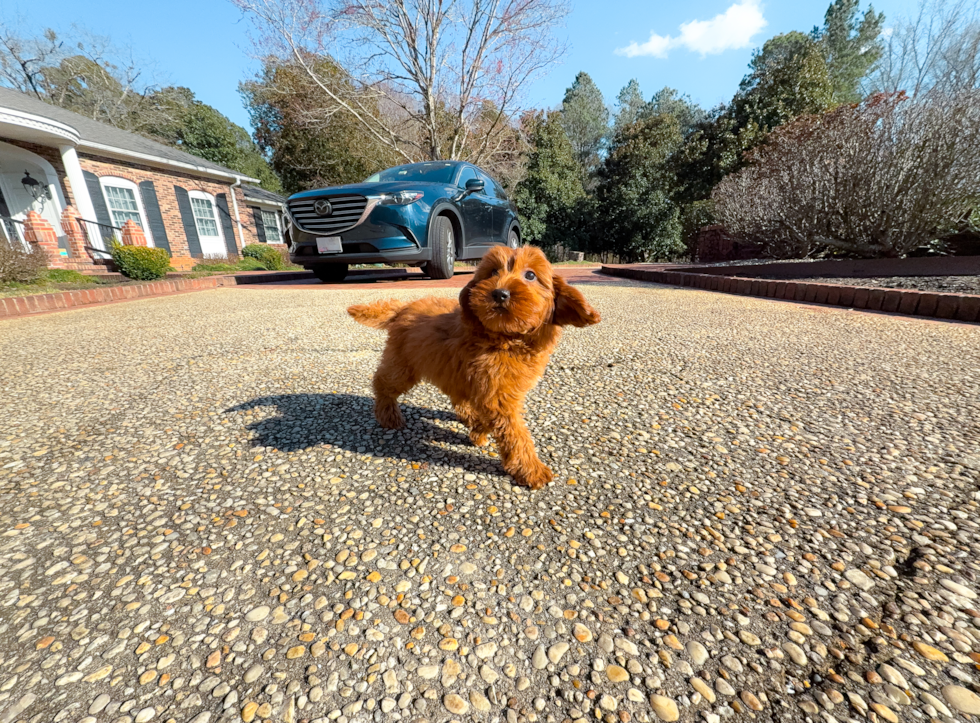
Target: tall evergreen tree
(629,106)
(851,46)
(550,197)
(686,111)
(586,120)
(637,219)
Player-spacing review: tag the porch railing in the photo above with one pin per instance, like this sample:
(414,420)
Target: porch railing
(99,237)
(12,231)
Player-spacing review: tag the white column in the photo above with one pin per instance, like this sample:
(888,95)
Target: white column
(79,189)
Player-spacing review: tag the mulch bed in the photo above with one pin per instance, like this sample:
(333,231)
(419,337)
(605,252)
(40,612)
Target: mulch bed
(944,284)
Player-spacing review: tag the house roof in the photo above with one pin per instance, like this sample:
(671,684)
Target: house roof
(102,139)
(260,195)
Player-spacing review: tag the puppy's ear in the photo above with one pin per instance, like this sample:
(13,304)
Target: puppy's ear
(464,303)
(571,308)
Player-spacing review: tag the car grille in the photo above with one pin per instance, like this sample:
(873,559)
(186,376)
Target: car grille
(346,211)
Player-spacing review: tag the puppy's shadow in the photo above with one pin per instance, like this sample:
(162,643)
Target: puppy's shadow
(347,421)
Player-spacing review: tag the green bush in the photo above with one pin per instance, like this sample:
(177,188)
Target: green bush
(270,256)
(141,262)
(67,276)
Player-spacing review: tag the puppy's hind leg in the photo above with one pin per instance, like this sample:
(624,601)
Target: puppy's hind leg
(390,382)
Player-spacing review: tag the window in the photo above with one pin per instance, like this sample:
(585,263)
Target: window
(465,175)
(493,189)
(124,203)
(270,223)
(204,218)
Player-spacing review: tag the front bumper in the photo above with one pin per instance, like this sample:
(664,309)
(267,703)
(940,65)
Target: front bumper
(384,235)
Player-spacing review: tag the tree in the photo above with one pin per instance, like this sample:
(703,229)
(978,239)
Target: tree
(636,218)
(850,47)
(876,179)
(199,129)
(550,197)
(667,100)
(586,121)
(788,78)
(938,49)
(629,106)
(309,140)
(429,68)
(87,75)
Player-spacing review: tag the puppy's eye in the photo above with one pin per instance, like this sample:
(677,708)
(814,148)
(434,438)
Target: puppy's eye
(529,275)
(495,272)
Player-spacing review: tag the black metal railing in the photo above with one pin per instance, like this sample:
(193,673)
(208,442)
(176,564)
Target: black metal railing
(99,237)
(12,231)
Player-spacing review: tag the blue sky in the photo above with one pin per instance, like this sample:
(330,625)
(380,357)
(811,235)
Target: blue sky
(701,48)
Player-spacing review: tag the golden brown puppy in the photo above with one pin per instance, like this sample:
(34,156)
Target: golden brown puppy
(485,352)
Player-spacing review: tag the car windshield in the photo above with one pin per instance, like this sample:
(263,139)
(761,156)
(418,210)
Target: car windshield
(437,172)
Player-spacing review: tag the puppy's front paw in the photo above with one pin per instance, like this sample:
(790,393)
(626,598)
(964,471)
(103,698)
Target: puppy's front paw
(479,439)
(535,477)
(389,416)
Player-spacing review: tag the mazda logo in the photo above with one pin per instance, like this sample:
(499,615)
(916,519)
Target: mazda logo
(323,208)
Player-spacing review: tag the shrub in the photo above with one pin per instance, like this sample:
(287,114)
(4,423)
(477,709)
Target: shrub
(877,179)
(67,276)
(270,256)
(141,262)
(20,264)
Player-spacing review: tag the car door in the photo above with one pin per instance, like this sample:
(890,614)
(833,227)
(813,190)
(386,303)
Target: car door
(475,209)
(499,211)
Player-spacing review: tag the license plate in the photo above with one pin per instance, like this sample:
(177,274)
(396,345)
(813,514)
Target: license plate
(328,245)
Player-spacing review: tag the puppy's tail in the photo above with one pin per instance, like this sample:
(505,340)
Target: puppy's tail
(376,315)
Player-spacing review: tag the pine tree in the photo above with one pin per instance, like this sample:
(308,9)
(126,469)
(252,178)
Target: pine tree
(629,106)
(851,46)
(586,121)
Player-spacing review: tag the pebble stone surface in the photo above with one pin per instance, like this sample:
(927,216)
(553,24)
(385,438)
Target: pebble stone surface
(761,511)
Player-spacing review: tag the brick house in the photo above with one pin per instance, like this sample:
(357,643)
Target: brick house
(82,176)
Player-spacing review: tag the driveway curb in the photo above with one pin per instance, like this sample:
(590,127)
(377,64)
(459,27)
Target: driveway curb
(933,305)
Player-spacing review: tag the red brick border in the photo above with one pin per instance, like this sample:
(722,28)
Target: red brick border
(958,307)
(39,303)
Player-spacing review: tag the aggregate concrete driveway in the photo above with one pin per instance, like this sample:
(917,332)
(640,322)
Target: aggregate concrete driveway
(761,511)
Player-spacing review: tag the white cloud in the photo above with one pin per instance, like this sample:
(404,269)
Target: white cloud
(730,30)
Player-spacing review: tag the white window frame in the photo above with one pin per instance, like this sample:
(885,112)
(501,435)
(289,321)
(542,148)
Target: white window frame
(275,215)
(214,207)
(116,182)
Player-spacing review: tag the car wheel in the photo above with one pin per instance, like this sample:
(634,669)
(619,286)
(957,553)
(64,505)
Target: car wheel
(330,273)
(442,243)
(513,240)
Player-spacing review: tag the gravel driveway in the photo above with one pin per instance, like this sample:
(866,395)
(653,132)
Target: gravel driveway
(762,511)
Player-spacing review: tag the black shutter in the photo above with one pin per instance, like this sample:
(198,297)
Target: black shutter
(153,216)
(229,229)
(98,200)
(187,216)
(101,212)
(259,226)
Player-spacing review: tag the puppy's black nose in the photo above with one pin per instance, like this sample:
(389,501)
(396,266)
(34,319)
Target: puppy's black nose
(500,295)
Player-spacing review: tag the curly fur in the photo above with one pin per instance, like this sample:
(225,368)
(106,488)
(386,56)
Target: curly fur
(484,353)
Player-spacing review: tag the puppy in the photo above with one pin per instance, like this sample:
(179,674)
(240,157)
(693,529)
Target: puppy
(485,352)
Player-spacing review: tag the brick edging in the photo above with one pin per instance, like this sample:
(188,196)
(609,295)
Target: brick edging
(13,306)
(936,305)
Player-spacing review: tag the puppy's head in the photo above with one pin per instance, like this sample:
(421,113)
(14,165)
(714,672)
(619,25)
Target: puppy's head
(515,292)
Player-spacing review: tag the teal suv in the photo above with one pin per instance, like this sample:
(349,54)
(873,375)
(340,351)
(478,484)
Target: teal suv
(421,214)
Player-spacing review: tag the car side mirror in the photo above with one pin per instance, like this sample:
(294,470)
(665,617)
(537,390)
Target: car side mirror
(475,185)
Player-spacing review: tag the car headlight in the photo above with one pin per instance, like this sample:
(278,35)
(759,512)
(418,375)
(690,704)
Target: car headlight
(401,198)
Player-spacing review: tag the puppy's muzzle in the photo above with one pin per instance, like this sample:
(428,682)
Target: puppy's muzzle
(501,296)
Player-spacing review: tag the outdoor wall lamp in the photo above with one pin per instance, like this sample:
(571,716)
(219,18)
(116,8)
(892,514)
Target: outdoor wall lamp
(36,191)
